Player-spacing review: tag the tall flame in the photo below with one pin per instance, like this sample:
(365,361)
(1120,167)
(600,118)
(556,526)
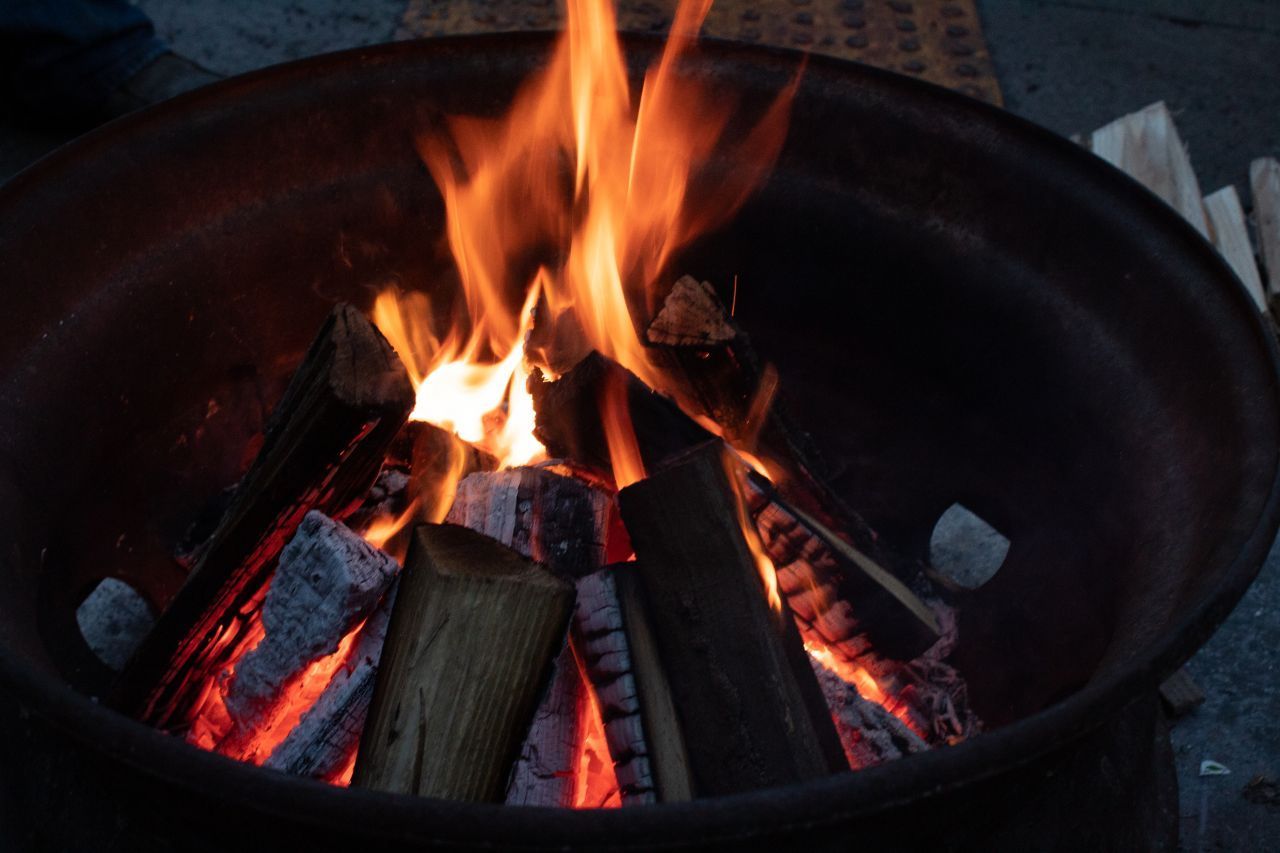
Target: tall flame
(573,204)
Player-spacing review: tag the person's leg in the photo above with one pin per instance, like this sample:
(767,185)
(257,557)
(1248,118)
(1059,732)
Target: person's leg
(68,56)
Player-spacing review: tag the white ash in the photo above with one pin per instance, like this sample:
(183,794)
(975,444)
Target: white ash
(325,738)
(869,734)
(544,774)
(114,619)
(327,581)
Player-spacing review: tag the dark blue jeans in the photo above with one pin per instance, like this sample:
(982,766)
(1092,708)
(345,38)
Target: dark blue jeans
(72,53)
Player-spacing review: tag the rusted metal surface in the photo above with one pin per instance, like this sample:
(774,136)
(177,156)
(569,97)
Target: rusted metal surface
(937,40)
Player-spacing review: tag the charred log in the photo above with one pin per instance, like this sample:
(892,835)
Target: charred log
(613,635)
(323,447)
(750,707)
(544,773)
(869,734)
(323,744)
(471,642)
(559,521)
(329,580)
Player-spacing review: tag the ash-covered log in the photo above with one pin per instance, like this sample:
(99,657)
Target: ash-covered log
(322,449)
(471,642)
(613,635)
(557,520)
(328,581)
(750,707)
(544,773)
(323,744)
(869,734)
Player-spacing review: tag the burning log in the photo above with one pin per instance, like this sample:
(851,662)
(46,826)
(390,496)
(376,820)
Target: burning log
(544,773)
(557,520)
(322,449)
(869,734)
(560,522)
(329,580)
(749,704)
(441,461)
(875,606)
(323,743)
(568,419)
(614,637)
(471,641)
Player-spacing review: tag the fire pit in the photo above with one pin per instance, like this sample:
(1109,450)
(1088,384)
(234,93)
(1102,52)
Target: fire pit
(964,308)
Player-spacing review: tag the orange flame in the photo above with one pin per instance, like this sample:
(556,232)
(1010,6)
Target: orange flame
(598,189)
(764,565)
(624,450)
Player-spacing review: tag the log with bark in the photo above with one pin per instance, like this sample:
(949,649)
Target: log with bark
(323,447)
(472,638)
(750,707)
(615,640)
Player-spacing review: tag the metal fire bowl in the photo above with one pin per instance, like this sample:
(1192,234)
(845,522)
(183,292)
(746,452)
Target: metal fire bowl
(963,307)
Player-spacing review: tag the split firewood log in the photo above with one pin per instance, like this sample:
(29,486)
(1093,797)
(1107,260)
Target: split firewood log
(323,744)
(544,773)
(329,580)
(323,447)
(750,708)
(472,638)
(613,634)
(559,521)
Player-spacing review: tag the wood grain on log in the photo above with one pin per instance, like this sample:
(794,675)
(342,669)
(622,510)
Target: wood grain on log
(322,449)
(750,707)
(1146,145)
(471,642)
(562,522)
(689,317)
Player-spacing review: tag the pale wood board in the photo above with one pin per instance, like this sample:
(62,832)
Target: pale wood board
(1231,237)
(1264,176)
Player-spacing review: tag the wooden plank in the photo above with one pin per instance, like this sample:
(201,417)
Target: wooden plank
(324,446)
(472,638)
(1147,147)
(749,705)
(1264,177)
(1231,237)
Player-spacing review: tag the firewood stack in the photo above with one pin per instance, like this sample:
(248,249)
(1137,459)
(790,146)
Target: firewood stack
(717,626)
